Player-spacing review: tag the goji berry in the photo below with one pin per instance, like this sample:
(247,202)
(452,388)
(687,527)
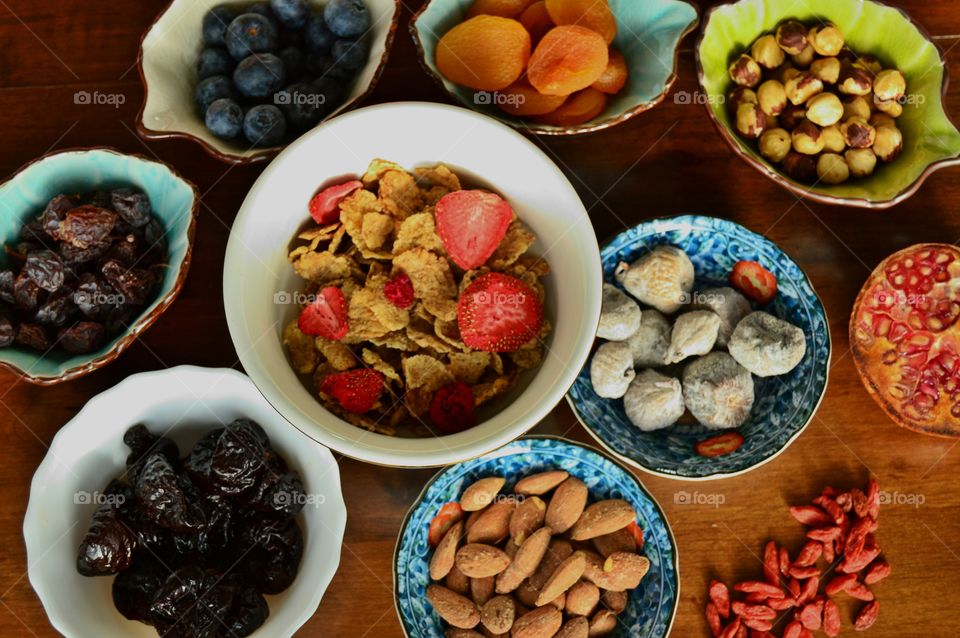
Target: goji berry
(793,630)
(755,586)
(784,561)
(761,612)
(825,534)
(839,584)
(877,572)
(730,631)
(758,625)
(811,616)
(860,592)
(809,590)
(811,516)
(713,619)
(771,564)
(873,498)
(803,573)
(867,616)
(809,554)
(720,596)
(831,619)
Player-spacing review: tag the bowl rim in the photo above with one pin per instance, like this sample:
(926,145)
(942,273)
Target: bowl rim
(140,326)
(336,527)
(714,476)
(258,155)
(799,189)
(347,447)
(613,458)
(580,129)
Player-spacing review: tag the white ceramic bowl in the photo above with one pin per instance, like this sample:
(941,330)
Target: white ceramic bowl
(167,63)
(411,134)
(89,451)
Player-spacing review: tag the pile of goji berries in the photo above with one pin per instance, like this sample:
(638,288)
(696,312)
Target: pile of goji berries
(841,527)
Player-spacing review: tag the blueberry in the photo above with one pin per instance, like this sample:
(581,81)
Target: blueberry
(294,61)
(263,9)
(291,38)
(251,33)
(225,119)
(290,13)
(215,24)
(333,92)
(264,125)
(303,105)
(347,18)
(211,89)
(214,61)
(350,54)
(259,75)
(316,36)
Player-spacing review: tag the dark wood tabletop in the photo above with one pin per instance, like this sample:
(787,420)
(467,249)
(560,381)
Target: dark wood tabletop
(667,161)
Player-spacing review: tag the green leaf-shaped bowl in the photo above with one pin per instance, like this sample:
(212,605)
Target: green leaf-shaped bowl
(931,139)
(648,35)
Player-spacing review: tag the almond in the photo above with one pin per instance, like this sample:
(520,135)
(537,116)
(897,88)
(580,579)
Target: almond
(615,601)
(575,628)
(457,581)
(593,571)
(452,607)
(623,571)
(618,541)
(568,573)
(481,493)
(492,525)
(558,551)
(539,484)
(482,589)
(525,562)
(527,594)
(603,517)
(498,614)
(539,623)
(566,505)
(582,598)
(602,623)
(453,632)
(526,519)
(443,556)
(559,602)
(477,560)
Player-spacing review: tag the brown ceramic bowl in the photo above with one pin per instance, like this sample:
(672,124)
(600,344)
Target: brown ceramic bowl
(167,64)
(175,202)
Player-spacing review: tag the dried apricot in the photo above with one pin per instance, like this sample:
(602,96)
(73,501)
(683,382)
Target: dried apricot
(592,14)
(522,99)
(614,77)
(502,8)
(486,52)
(536,20)
(579,108)
(567,59)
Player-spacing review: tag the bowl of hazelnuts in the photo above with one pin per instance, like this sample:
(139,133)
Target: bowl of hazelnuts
(824,102)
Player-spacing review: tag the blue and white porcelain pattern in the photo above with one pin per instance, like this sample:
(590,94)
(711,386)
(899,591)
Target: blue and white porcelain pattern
(652,606)
(784,405)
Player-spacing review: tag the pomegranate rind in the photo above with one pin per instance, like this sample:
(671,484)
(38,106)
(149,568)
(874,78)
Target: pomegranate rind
(883,380)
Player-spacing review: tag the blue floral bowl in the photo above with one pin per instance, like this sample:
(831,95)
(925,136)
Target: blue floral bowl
(784,405)
(652,606)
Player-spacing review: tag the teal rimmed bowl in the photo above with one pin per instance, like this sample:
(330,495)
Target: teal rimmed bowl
(931,139)
(175,202)
(648,35)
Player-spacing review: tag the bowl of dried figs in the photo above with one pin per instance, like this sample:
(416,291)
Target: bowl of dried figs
(544,537)
(97,245)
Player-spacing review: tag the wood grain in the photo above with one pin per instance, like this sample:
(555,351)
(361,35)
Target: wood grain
(664,162)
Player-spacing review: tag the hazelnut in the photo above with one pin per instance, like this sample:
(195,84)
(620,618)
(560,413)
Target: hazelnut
(855,81)
(803,87)
(786,72)
(738,96)
(793,115)
(745,71)
(857,107)
(824,109)
(869,63)
(858,133)
(792,37)
(889,143)
(804,58)
(827,69)
(889,85)
(861,161)
(893,108)
(800,167)
(827,40)
(767,52)
(750,121)
(878,120)
(772,97)
(832,169)
(833,141)
(775,144)
(807,138)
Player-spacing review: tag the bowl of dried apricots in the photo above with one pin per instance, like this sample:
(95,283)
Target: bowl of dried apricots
(554,67)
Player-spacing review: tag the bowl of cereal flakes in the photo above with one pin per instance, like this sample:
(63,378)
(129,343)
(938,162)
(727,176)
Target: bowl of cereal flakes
(404,311)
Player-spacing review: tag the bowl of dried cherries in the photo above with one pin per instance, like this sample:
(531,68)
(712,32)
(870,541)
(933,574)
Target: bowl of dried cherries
(97,245)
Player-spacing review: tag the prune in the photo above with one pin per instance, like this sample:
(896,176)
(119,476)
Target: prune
(190,603)
(282,494)
(132,205)
(45,269)
(135,284)
(240,457)
(53,214)
(6,285)
(58,309)
(87,226)
(109,544)
(135,587)
(272,549)
(249,609)
(94,297)
(162,496)
(26,294)
(33,336)
(73,256)
(143,443)
(197,464)
(82,337)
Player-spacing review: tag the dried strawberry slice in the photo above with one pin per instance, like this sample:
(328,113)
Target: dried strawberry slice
(471,224)
(452,408)
(399,291)
(326,316)
(325,205)
(356,391)
(498,313)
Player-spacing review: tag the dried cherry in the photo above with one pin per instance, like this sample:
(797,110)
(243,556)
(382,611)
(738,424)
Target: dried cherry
(58,309)
(33,336)
(26,294)
(133,206)
(46,269)
(87,226)
(81,338)
(135,284)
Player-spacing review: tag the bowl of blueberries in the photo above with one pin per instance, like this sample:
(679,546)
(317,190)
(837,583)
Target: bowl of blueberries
(244,80)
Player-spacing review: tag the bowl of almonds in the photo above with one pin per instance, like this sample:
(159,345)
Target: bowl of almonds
(544,537)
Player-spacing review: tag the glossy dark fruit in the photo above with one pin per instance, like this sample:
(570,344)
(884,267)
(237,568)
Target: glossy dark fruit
(350,54)
(58,309)
(109,544)
(224,119)
(259,75)
(132,205)
(215,24)
(135,284)
(214,61)
(53,214)
(27,295)
(73,256)
(249,610)
(251,33)
(347,18)
(273,549)
(163,497)
(87,226)
(33,336)
(190,603)
(46,270)
(6,286)
(143,443)
(214,88)
(82,338)
(135,587)
(316,36)
(290,13)
(303,105)
(294,61)
(240,458)
(197,463)
(265,126)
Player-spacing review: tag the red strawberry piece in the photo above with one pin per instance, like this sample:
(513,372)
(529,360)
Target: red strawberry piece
(399,291)
(471,224)
(755,281)
(326,316)
(720,445)
(452,408)
(325,205)
(498,313)
(356,391)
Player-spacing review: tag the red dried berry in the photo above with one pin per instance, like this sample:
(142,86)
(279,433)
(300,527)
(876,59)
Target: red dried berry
(809,554)
(325,205)
(839,584)
(326,316)
(757,587)
(720,596)
(498,313)
(811,516)
(471,224)
(811,616)
(867,616)
(356,391)
(755,281)
(452,408)
(720,445)
(713,619)
(877,572)
(831,619)
(771,564)
(399,291)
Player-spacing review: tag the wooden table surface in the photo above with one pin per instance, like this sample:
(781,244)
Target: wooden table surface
(664,162)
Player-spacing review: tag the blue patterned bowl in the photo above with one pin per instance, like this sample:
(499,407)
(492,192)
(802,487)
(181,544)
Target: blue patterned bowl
(652,606)
(784,405)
